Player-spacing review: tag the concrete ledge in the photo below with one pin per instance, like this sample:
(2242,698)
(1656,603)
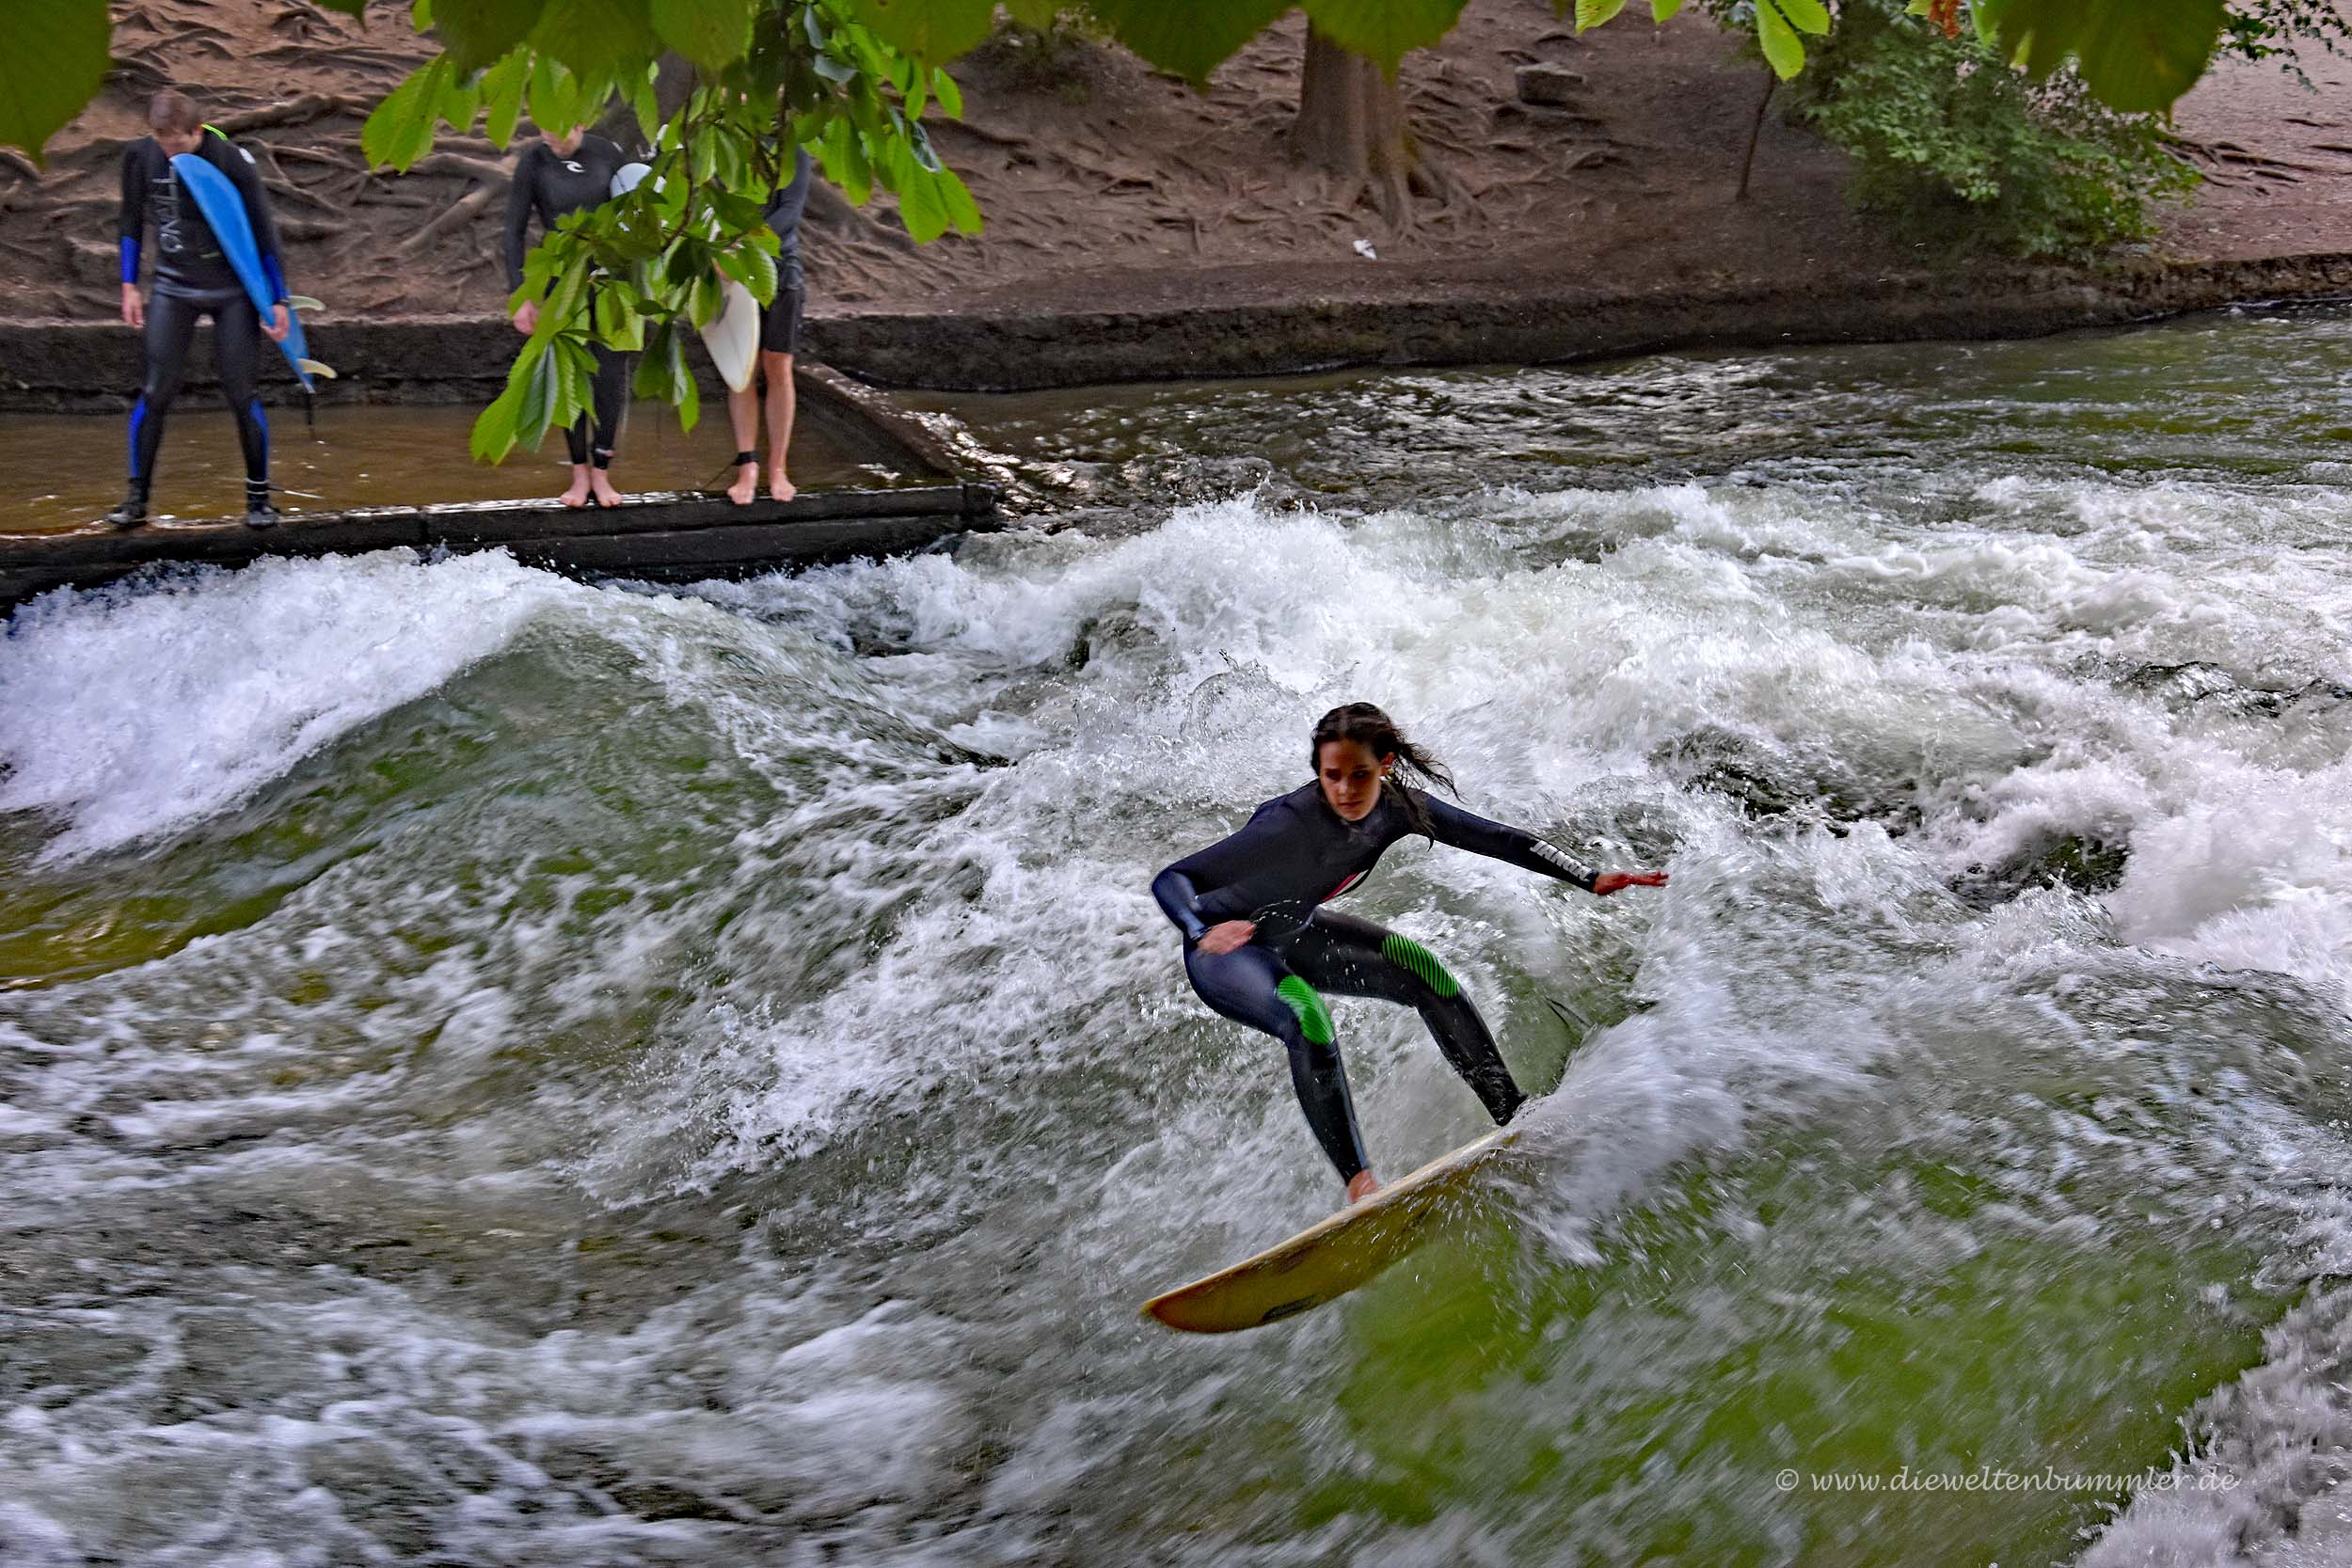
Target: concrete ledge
(660,535)
(1252,324)
(1405,318)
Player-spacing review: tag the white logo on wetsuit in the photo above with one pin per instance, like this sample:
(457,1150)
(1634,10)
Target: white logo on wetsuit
(573,166)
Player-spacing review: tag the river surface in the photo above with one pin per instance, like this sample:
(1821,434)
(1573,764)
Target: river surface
(61,472)
(498,1070)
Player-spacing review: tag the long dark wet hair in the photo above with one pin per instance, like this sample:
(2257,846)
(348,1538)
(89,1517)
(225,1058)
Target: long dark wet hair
(1377,733)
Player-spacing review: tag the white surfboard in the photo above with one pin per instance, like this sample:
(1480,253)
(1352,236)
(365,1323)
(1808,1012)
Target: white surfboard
(1331,1258)
(733,335)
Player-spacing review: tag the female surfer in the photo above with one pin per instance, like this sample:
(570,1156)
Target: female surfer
(564,171)
(1258,950)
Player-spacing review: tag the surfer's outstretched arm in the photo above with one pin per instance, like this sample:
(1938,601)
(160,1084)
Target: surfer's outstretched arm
(1516,847)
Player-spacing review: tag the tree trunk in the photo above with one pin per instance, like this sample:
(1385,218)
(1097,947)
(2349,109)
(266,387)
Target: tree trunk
(1351,124)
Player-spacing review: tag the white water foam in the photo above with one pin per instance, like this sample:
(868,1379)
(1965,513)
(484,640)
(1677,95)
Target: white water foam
(923,1008)
(128,714)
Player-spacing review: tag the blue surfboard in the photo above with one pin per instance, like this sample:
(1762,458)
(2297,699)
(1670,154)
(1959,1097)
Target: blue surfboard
(218,197)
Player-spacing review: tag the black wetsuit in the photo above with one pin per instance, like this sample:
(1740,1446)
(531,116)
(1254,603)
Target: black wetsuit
(193,278)
(780,322)
(552,184)
(1294,853)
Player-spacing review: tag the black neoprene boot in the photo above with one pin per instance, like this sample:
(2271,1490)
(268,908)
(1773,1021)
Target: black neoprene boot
(258,511)
(132,512)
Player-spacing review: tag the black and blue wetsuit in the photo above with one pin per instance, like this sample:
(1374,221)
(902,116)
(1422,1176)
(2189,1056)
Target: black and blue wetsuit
(551,185)
(1295,853)
(193,278)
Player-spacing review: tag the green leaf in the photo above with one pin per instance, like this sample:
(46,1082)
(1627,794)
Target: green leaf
(542,391)
(653,366)
(684,392)
(843,154)
(495,431)
(1806,16)
(1190,40)
(931,30)
(619,326)
(2137,56)
(1594,13)
(949,95)
(502,95)
(753,268)
(1036,15)
(557,102)
(461,102)
(644,105)
(1663,10)
(401,130)
(598,38)
(963,211)
(1384,31)
(476,32)
(1783,50)
(919,144)
(560,308)
(54,63)
(710,33)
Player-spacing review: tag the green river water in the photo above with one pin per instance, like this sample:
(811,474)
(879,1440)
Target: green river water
(496,1070)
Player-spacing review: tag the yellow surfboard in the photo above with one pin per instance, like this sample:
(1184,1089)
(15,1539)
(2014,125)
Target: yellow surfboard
(1331,1258)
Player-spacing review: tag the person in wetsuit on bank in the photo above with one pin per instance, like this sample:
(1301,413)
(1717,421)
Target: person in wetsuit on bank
(779,339)
(193,278)
(567,171)
(1260,951)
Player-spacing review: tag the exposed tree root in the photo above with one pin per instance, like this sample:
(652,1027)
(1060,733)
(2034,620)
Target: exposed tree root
(461,213)
(309,106)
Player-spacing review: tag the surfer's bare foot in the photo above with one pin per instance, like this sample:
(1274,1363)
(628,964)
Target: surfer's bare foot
(746,485)
(577,497)
(780,489)
(601,487)
(1361,1186)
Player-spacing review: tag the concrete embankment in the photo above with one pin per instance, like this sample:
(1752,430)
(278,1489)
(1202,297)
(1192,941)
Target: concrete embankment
(658,537)
(1255,321)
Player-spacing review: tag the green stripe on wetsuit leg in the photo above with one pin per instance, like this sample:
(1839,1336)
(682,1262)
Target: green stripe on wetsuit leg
(1413,956)
(1314,1019)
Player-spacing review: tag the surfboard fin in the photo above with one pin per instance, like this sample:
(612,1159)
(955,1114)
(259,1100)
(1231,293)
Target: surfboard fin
(303,302)
(311,367)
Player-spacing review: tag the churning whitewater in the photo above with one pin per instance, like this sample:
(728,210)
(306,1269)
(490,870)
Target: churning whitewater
(498,1069)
